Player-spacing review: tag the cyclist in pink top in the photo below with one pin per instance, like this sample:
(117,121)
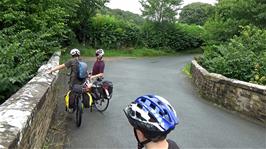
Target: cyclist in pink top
(98,67)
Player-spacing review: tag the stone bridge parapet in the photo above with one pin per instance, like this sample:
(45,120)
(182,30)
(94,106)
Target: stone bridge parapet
(25,117)
(246,98)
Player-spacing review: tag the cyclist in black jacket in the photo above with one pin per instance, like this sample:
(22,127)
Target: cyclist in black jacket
(152,118)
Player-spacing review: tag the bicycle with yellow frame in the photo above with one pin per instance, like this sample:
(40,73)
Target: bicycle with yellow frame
(99,98)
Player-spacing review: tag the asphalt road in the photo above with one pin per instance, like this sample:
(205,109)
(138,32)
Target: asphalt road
(202,125)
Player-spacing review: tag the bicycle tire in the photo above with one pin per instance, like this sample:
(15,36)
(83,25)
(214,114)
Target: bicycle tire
(79,113)
(101,104)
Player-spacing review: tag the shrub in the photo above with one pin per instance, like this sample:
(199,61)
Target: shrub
(21,53)
(29,34)
(242,58)
(171,36)
(230,14)
(110,32)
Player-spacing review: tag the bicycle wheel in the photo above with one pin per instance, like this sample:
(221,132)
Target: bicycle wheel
(101,104)
(78,113)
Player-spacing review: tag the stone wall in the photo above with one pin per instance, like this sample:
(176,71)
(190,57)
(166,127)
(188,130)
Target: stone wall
(246,98)
(25,117)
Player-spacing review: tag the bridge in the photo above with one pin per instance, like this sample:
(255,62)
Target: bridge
(202,124)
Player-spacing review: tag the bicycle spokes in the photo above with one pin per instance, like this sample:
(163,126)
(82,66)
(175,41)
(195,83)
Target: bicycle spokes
(101,104)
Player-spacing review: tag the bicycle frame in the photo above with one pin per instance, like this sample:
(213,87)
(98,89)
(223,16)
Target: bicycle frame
(79,109)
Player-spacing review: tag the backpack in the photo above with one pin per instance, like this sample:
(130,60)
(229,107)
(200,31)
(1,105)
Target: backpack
(82,70)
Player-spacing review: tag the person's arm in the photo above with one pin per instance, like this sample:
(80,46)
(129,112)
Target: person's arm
(58,67)
(97,75)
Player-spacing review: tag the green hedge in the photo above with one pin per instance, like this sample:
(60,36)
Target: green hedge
(30,31)
(109,32)
(230,14)
(172,36)
(112,33)
(243,58)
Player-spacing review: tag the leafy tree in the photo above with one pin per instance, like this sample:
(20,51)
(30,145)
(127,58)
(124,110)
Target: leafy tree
(86,10)
(246,11)
(160,10)
(240,52)
(110,32)
(30,31)
(243,57)
(230,14)
(196,13)
(124,15)
(171,36)
(260,13)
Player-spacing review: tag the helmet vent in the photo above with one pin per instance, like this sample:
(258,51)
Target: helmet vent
(140,106)
(166,116)
(165,112)
(150,96)
(161,113)
(143,99)
(152,106)
(132,113)
(152,118)
(159,102)
(138,115)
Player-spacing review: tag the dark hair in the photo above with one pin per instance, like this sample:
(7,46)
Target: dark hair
(154,136)
(76,55)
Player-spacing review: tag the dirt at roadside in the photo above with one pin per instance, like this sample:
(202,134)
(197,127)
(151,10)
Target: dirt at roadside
(57,133)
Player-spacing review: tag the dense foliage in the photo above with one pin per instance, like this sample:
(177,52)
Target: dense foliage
(243,58)
(112,33)
(233,50)
(81,22)
(171,36)
(196,13)
(230,14)
(30,30)
(124,15)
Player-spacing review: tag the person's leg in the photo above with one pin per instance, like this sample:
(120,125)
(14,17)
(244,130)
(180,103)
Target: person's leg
(88,87)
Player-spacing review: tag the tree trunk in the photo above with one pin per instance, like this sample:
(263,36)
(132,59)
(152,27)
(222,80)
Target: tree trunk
(84,39)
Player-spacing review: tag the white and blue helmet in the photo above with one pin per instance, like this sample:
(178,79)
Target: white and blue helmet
(152,113)
(75,52)
(99,52)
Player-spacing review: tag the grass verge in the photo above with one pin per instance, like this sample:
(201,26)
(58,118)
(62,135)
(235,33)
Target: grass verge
(186,70)
(130,52)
